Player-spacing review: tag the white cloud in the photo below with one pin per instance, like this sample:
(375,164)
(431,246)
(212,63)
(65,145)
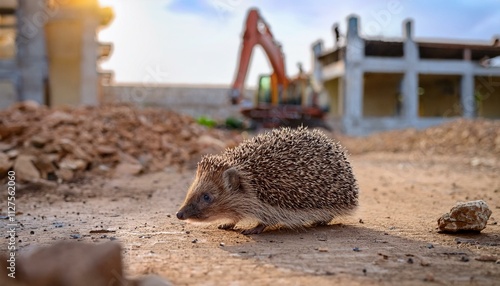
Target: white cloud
(204,47)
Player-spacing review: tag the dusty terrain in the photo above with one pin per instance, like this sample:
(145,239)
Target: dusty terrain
(120,173)
(391,240)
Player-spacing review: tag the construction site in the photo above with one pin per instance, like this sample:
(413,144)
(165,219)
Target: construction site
(95,173)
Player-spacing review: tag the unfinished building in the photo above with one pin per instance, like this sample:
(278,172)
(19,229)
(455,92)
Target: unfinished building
(380,84)
(49,52)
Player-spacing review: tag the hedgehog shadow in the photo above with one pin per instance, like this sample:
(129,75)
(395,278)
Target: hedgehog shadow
(344,249)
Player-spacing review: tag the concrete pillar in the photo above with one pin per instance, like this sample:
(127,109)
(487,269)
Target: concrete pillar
(317,68)
(89,88)
(410,80)
(353,78)
(467,95)
(31,53)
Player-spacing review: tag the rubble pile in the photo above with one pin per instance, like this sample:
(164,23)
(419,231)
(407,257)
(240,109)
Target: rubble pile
(478,137)
(38,142)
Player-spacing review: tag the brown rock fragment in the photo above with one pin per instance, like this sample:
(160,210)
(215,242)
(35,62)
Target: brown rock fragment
(468,216)
(44,165)
(73,164)
(5,163)
(25,169)
(486,258)
(90,264)
(106,150)
(124,169)
(65,174)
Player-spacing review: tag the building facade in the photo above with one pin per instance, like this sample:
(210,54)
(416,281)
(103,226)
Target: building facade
(383,84)
(49,52)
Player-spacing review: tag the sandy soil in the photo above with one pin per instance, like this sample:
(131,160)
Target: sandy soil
(391,240)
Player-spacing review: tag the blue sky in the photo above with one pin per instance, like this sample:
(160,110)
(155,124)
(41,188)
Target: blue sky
(197,42)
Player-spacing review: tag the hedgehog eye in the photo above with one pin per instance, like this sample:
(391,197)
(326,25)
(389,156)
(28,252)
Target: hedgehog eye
(207,198)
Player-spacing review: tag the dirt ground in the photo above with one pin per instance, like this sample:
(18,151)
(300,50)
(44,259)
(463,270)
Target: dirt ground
(391,240)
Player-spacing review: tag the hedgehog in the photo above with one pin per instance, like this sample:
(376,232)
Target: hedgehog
(284,178)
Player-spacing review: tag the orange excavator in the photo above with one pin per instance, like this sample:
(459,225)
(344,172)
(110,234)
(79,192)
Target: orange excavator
(279,101)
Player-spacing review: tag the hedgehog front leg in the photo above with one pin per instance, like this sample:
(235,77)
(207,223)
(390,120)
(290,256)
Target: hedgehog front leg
(256,230)
(227,226)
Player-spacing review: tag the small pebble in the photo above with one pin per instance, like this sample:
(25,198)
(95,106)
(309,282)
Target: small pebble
(486,258)
(356,249)
(430,246)
(410,260)
(424,262)
(222,244)
(194,240)
(323,249)
(32,232)
(464,259)
(429,277)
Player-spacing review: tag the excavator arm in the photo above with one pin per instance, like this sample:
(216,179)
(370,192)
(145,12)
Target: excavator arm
(257,32)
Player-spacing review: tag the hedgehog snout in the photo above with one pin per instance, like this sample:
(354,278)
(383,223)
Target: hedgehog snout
(180,215)
(187,212)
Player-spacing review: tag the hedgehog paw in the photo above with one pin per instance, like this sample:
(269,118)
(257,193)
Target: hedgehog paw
(227,226)
(320,223)
(256,230)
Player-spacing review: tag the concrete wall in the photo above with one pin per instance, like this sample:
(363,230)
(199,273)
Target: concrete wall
(381,94)
(439,95)
(193,100)
(487,94)
(7,94)
(332,88)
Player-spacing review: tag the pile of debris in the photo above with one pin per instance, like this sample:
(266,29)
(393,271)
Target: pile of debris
(38,142)
(475,138)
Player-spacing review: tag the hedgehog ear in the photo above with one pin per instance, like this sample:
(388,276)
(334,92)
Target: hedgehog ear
(231,179)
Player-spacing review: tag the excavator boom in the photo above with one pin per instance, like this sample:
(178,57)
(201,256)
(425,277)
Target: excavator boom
(257,32)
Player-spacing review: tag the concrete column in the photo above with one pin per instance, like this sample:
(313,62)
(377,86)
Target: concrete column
(89,77)
(467,95)
(31,53)
(353,78)
(410,80)
(317,68)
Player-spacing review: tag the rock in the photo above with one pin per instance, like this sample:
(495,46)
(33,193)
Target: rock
(71,147)
(11,129)
(124,169)
(106,150)
(44,165)
(5,147)
(487,258)
(59,117)
(73,164)
(468,216)
(5,163)
(65,174)
(28,105)
(25,169)
(91,264)
(39,141)
(12,154)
